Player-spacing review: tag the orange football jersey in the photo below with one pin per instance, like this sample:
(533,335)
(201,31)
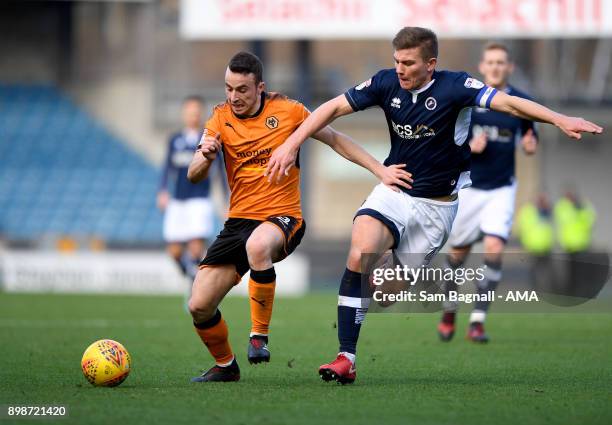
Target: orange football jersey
(248,144)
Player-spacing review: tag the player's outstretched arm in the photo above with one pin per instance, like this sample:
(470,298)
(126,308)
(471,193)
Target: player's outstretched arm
(283,157)
(527,109)
(203,157)
(393,176)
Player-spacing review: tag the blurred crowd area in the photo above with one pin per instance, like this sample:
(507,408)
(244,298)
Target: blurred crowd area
(91,90)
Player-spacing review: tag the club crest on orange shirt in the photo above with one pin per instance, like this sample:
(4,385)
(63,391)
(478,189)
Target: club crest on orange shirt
(272,122)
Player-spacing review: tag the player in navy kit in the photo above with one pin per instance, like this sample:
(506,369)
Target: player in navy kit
(188,209)
(486,208)
(428,115)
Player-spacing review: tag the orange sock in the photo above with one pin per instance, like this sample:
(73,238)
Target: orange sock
(261,297)
(213,334)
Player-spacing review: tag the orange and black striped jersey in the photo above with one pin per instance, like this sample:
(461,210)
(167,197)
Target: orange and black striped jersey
(248,144)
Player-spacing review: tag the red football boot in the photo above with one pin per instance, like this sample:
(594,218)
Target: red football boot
(476,333)
(446,327)
(341,370)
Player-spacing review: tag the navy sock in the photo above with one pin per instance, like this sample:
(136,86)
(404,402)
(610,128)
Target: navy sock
(352,308)
(450,285)
(492,276)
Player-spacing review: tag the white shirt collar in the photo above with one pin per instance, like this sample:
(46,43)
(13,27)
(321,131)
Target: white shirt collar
(415,93)
(425,87)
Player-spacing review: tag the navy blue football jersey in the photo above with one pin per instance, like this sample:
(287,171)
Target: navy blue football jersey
(174,174)
(495,166)
(428,126)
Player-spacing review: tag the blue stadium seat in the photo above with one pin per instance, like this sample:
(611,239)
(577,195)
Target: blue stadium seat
(62,173)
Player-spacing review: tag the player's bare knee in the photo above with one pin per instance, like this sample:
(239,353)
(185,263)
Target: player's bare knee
(259,251)
(354,258)
(198,305)
(193,306)
(201,310)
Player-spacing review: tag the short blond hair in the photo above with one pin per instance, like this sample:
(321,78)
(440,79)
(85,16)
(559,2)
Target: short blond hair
(497,45)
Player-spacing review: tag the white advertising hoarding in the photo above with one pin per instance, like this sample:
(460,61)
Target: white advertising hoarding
(362,19)
(123,273)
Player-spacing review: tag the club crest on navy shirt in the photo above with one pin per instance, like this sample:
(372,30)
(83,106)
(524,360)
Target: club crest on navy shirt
(431,103)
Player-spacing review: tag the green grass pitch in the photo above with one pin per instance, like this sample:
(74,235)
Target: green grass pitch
(551,369)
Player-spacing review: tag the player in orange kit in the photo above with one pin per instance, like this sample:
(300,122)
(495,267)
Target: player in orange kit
(265,221)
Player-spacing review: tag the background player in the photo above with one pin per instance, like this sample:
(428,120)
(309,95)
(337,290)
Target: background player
(265,221)
(486,208)
(428,116)
(189,217)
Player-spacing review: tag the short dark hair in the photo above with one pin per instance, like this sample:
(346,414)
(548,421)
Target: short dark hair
(411,37)
(194,98)
(247,63)
(497,45)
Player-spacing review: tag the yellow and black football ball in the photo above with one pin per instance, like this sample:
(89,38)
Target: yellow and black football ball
(106,363)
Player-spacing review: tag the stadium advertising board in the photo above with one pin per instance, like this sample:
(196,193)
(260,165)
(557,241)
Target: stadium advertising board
(119,273)
(340,19)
